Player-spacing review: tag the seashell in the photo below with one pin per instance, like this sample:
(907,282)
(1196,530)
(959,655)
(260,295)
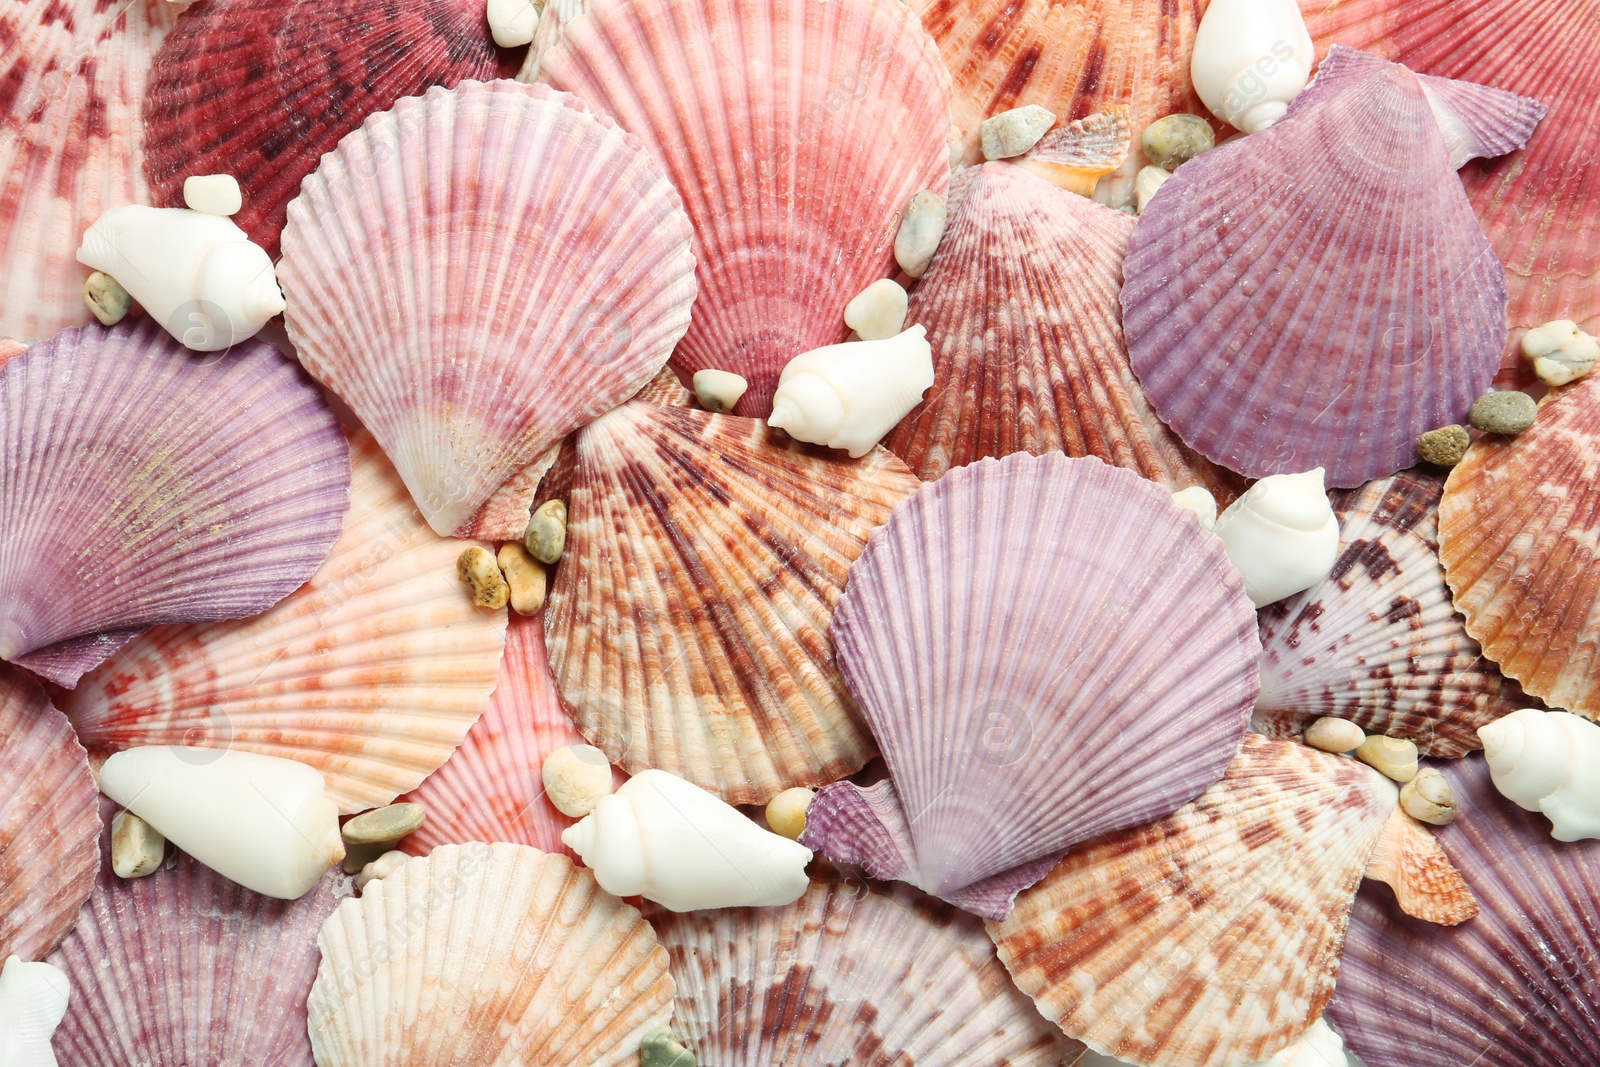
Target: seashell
(578,976)
(1427,798)
(1393,757)
(33,997)
(371,673)
(195,489)
(462,393)
(849,973)
(1021,308)
(48,821)
(718,391)
(74,72)
(1516,987)
(778,150)
(1021,703)
(554,18)
(1398,327)
(1378,641)
(1076,155)
(1281,534)
(186,967)
(688,624)
(669,841)
(259,90)
(849,395)
(1251,59)
(1545,761)
(1409,859)
(1517,538)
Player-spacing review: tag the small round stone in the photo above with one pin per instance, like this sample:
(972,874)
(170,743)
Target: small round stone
(1335,735)
(105,297)
(381,867)
(921,230)
(1173,141)
(525,577)
(212,194)
(477,567)
(546,536)
(1011,133)
(137,847)
(1445,446)
(719,390)
(786,812)
(878,311)
(384,826)
(575,778)
(1503,411)
(1428,798)
(1392,757)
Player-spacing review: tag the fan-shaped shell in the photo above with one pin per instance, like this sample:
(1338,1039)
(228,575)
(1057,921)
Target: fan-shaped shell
(48,821)
(1327,319)
(1517,986)
(260,89)
(797,132)
(849,973)
(529,268)
(185,967)
(1519,535)
(486,954)
(372,672)
(1047,649)
(143,483)
(1378,641)
(1021,307)
(688,623)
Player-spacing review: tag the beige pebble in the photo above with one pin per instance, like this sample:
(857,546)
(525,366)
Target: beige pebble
(921,230)
(1013,132)
(719,390)
(212,194)
(1505,411)
(381,867)
(136,846)
(1560,351)
(1145,184)
(786,812)
(878,311)
(384,826)
(1335,735)
(524,575)
(546,535)
(106,298)
(1428,798)
(478,569)
(1444,447)
(1393,757)
(1172,141)
(575,778)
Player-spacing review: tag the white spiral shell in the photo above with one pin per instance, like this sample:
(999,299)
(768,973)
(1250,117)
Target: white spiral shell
(1282,535)
(849,395)
(1251,58)
(1545,761)
(33,999)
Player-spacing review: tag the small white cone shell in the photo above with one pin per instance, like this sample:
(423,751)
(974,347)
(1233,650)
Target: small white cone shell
(261,821)
(1251,59)
(670,841)
(1546,761)
(849,395)
(33,999)
(1282,535)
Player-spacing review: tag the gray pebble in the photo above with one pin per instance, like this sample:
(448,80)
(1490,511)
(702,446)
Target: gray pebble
(384,826)
(921,229)
(1173,141)
(1013,132)
(1445,446)
(660,1049)
(1503,411)
(546,536)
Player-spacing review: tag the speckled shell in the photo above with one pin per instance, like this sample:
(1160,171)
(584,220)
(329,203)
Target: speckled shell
(143,483)
(1210,938)
(850,973)
(260,89)
(49,821)
(74,72)
(1021,307)
(1378,641)
(1046,649)
(1516,987)
(771,118)
(486,954)
(688,622)
(184,967)
(1325,318)
(479,346)
(372,672)
(1518,528)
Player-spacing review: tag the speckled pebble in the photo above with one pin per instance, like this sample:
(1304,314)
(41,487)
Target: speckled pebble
(477,567)
(546,535)
(1503,412)
(1173,141)
(1445,446)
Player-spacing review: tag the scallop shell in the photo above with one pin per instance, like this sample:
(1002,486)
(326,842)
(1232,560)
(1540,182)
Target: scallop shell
(74,72)
(849,973)
(1516,987)
(1021,307)
(143,483)
(554,18)
(372,672)
(1022,635)
(185,967)
(500,336)
(1518,537)
(1075,155)
(688,623)
(48,821)
(1540,207)
(1378,641)
(486,954)
(260,89)
(1370,262)
(771,117)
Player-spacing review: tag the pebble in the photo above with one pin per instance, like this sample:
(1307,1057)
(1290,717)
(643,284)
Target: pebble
(786,812)
(371,834)
(1560,351)
(1014,132)
(106,298)
(1503,411)
(660,1049)
(1445,446)
(381,867)
(512,22)
(1145,184)
(1392,757)
(136,848)
(524,575)
(478,569)
(718,390)
(546,536)
(1173,141)
(575,778)
(213,194)
(1335,735)
(878,311)
(1428,798)
(1199,500)
(921,229)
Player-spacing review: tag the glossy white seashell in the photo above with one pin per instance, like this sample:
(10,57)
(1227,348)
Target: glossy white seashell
(1198,499)
(1282,535)
(261,821)
(849,395)
(1546,761)
(1251,58)
(670,841)
(196,274)
(33,999)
